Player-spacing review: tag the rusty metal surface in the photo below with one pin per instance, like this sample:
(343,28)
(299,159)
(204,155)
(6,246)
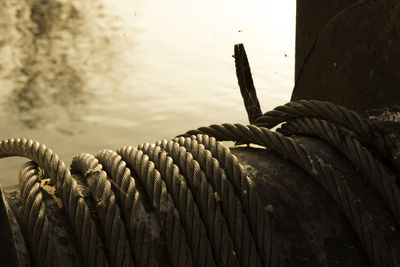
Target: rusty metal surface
(12,247)
(347,52)
(307,222)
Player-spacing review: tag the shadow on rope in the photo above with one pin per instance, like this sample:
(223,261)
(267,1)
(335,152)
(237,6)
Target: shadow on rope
(320,190)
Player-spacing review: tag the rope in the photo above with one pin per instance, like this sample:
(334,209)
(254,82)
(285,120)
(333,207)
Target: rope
(107,208)
(142,203)
(168,216)
(220,184)
(188,201)
(366,129)
(74,204)
(35,223)
(184,200)
(244,188)
(372,230)
(209,206)
(377,174)
(142,224)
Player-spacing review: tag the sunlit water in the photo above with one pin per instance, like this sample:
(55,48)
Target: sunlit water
(84,75)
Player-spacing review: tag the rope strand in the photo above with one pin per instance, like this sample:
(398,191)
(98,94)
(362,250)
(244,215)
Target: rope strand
(189,202)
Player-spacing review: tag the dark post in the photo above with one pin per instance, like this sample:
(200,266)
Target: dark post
(10,247)
(348,52)
(246,84)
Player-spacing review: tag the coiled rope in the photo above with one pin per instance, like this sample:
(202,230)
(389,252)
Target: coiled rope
(188,201)
(34,216)
(72,199)
(377,230)
(151,205)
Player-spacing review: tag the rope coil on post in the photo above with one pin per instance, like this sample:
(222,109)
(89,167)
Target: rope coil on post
(156,186)
(366,129)
(66,187)
(142,225)
(108,210)
(373,231)
(184,201)
(176,238)
(378,175)
(187,163)
(35,222)
(188,201)
(245,188)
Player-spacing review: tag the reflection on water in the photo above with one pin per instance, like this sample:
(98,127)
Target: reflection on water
(53,43)
(84,75)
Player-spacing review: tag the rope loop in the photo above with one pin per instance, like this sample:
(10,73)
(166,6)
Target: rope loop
(189,202)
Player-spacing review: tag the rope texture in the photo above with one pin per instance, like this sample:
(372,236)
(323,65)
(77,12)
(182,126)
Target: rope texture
(378,231)
(223,241)
(110,217)
(203,149)
(72,199)
(188,202)
(366,129)
(142,224)
(154,205)
(35,223)
(382,178)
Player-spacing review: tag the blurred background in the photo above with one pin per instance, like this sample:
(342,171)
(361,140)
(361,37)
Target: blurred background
(84,75)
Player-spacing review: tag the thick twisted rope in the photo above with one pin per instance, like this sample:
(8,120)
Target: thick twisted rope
(340,115)
(107,208)
(377,174)
(142,225)
(244,187)
(204,199)
(188,202)
(239,230)
(35,223)
(373,233)
(73,202)
(176,238)
(183,200)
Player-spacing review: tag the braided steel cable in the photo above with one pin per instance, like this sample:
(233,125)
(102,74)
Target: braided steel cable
(142,225)
(188,202)
(380,177)
(374,136)
(116,240)
(243,239)
(379,240)
(35,224)
(259,221)
(176,239)
(183,198)
(204,197)
(73,201)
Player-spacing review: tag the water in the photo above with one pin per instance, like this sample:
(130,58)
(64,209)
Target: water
(80,76)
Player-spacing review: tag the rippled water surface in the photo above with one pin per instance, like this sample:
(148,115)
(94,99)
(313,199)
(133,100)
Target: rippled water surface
(83,75)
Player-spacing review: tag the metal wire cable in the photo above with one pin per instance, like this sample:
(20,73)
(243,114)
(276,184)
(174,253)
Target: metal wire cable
(203,195)
(107,208)
(245,189)
(35,223)
(176,239)
(183,199)
(383,251)
(143,227)
(373,135)
(224,192)
(188,201)
(377,174)
(73,202)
